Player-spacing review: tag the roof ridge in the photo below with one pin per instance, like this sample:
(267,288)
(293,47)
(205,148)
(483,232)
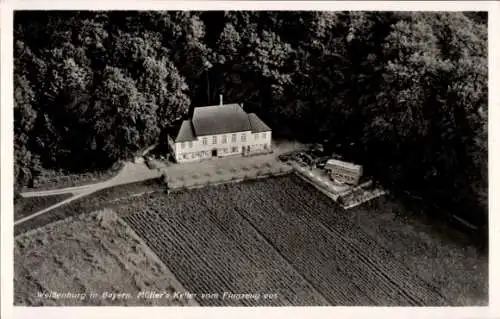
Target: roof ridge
(345,163)
(218,105)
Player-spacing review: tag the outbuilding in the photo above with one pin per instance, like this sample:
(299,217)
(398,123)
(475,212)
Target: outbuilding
(344,172)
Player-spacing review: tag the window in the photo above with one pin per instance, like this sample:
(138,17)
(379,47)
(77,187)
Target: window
(205,141)
(224,139)
(256,136)
(234,149)
(264,135)
(183,145)
(190,144)
(243,137)
(214,139)
(233,138)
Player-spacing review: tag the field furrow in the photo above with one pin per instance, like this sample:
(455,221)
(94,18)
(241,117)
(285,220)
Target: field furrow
(382,289)
(216,267)
(298,242)
(188,263)
(405,283)
(236,228)
(189,231)
(278,235)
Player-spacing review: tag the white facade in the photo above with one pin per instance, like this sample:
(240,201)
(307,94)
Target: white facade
(221,145)
(343,171)
(218,131)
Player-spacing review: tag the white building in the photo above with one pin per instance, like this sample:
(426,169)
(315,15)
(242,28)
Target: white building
(344,172)
(218,131)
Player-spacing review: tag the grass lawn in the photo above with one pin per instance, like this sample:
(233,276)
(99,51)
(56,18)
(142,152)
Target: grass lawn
(24,206)
(93,253)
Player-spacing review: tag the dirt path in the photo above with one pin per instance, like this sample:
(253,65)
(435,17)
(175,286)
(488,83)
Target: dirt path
(50,192)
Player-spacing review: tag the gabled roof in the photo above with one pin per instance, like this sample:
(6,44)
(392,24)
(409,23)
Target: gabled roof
(186,132)
(257,124)
(220,119)
(333,162)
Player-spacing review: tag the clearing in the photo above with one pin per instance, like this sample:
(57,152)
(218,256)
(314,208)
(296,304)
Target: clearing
(92,253)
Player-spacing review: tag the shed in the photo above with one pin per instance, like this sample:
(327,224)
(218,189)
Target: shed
(344,172)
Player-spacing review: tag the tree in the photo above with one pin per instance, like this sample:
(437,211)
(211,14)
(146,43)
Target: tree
(124,120)
(26,165)
(253,63)
(181,35)
(165,87)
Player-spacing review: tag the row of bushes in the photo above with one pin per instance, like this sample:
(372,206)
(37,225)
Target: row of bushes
(220,172)
(234,178)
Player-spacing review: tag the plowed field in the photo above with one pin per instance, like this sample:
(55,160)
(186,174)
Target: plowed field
(280,237)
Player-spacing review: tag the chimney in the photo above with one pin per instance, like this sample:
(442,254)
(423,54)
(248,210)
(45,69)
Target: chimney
(220,99)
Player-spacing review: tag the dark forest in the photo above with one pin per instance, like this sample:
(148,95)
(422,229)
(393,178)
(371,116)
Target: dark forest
(402,93)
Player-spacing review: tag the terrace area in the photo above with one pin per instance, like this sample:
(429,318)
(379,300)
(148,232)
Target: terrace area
(214,171)
(223,170)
